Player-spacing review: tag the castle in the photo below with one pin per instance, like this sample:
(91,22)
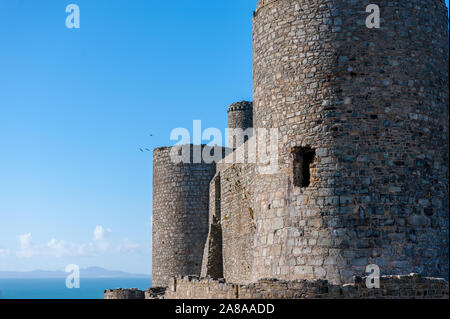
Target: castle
(362,161)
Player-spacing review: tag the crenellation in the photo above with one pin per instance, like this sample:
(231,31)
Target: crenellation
(240,119)
(412,286)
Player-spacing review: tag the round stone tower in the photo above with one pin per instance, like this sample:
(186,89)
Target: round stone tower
(240,116)
(180,214)
(362,115)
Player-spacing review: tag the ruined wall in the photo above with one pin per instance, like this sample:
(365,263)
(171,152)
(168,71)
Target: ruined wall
(212,264)
(411,286)
(228,251)
(132,293)
(373,105)
(391,287)
(180,215)
(231,232)
(238,224)
(155,293)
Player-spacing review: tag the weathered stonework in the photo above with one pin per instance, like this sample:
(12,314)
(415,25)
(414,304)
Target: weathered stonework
(373,104)
(132,293)
(391,287)
(411,286)
(362,117)
(240,116)
(237,220)
(155,293)
(212,265)
(180,215)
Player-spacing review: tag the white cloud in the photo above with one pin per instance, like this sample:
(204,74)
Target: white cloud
(100,233)
(5,252)
(54,244)
(60,248)
(24,240)
(99,245)
(27,248)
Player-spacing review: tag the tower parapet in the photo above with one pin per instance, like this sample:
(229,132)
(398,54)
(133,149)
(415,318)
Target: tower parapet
(240,117)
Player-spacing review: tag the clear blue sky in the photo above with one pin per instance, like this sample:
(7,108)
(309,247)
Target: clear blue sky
(76,105)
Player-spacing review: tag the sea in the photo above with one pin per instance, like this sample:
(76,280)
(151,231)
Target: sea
(55,288)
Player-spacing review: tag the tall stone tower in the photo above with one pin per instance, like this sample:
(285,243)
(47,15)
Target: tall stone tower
(363,153)
(240,116)
(180,214)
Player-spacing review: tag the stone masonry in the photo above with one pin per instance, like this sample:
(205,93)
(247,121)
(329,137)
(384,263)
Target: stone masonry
(411,286)
(362,171)
(132,293)
(240,116)
(180,213)
(373,105)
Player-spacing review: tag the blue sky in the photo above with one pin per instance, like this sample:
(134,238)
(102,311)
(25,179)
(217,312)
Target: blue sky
(76,106)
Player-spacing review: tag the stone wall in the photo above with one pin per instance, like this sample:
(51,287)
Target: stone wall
(373,105)
(232,227)
(212,264)
(232,219)
(362,117)
(180,214)
(237,220)
(411,286)
(132,293)
(155,293)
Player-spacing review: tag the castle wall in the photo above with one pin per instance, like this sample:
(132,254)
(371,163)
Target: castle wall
(237,220)
(231,231)
(232,227)
(180,215)
(373,105)
(132,293)
(362,117)
(212,264)
(391,287)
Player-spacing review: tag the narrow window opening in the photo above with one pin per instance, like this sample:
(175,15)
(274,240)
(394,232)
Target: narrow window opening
(303,157)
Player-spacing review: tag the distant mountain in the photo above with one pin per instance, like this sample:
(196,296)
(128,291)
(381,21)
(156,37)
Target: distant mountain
(90,272)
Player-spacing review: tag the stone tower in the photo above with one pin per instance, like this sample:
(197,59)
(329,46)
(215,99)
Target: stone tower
(180,214)
(240,116)
(363,153)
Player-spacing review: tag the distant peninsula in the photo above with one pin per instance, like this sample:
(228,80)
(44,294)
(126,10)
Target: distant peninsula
(90,272)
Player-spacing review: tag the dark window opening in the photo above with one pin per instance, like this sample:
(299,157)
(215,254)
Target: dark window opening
(303,157)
